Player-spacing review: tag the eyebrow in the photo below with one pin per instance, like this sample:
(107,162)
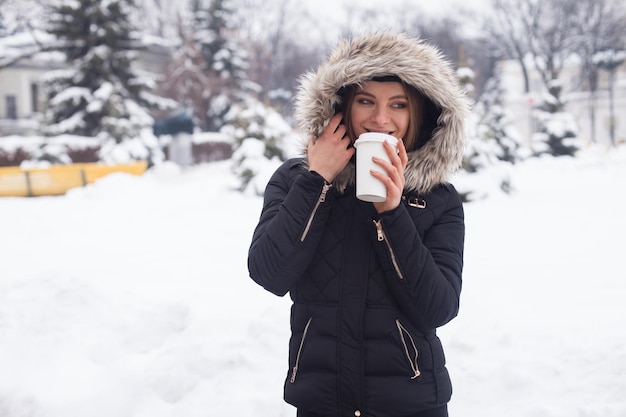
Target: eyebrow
(365,93)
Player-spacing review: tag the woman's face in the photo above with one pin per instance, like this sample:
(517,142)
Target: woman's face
(380,107)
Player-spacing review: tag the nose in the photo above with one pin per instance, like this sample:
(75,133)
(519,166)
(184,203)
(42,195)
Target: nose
(380,116)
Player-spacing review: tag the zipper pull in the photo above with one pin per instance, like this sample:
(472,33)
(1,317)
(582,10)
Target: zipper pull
(322,198)
(379,230)
(325,189)
(293,374)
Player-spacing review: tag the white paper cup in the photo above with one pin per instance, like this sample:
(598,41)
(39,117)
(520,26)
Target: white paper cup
(368,145)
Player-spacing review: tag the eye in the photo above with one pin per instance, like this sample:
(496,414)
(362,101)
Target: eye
(365,101)
(399,105)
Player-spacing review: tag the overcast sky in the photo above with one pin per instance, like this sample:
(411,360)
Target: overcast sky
(330,8)
(335,15)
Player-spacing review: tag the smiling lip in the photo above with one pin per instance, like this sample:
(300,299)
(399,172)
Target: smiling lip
(380,131)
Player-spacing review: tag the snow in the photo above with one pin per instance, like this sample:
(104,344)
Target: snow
(131,297)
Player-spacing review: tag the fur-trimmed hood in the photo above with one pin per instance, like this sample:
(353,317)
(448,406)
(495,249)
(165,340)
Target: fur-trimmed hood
(415,62)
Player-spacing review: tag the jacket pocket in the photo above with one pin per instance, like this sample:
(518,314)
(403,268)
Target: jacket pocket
(294,371)
(410,350)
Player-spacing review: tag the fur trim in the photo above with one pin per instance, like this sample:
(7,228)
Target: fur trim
(418,64)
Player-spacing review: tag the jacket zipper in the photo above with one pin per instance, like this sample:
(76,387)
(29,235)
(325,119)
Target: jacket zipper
(320,200)
(295,367)
(412,361)
(382,238)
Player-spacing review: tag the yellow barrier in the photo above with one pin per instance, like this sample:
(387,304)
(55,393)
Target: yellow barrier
(57,179)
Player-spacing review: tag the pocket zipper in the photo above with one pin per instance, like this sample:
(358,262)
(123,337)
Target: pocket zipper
(412,361)
(295,368)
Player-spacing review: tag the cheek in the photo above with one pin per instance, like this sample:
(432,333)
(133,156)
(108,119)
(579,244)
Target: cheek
(356,116)
(403,124)
(356,119)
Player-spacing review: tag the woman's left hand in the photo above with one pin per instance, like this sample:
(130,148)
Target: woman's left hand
(394,180)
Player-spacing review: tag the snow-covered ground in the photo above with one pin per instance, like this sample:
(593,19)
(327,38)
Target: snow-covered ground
(131,298)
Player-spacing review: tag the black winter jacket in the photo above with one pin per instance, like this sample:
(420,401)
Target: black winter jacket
(369,290)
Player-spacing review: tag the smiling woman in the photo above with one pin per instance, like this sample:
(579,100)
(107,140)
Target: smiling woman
(371,280)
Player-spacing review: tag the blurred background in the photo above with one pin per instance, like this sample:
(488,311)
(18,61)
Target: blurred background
(190,81)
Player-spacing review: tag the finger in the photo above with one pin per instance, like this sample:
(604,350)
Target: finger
(394,169)
(335,122)
(399,159)
(388,168)
(394,153)
(390,185)
(341,131)
(331,127)
(394,159)
(391,152)
(380,176)
(404,158)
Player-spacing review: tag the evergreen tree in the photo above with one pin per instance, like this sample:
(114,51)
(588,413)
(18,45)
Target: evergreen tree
(100,94)
(263,139)
(557,134)
(496,125)
(185,80)
(478,154)
(4,31)
(492,143)
(225,63)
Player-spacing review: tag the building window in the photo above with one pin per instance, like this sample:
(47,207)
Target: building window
(34,96)
(11,102)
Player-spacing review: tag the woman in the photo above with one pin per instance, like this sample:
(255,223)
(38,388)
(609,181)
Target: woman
(370,282)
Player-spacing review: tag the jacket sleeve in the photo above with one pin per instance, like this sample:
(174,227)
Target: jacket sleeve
(295,208)
(425,275)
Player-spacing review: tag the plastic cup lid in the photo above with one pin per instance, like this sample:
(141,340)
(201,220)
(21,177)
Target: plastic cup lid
(376,137)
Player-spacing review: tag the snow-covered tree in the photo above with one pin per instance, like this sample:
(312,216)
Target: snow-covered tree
(4,30)
(493,143)
(18,25)
(476,156)
(101,93)
(185,79)
(482,174)
(557,133)
(225,62)
(18,16)
(496,124)
(262,138)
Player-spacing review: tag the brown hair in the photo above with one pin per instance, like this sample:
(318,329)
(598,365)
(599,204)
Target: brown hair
(415,137)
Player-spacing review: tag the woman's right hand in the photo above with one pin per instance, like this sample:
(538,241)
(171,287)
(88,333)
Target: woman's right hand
(329,154)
